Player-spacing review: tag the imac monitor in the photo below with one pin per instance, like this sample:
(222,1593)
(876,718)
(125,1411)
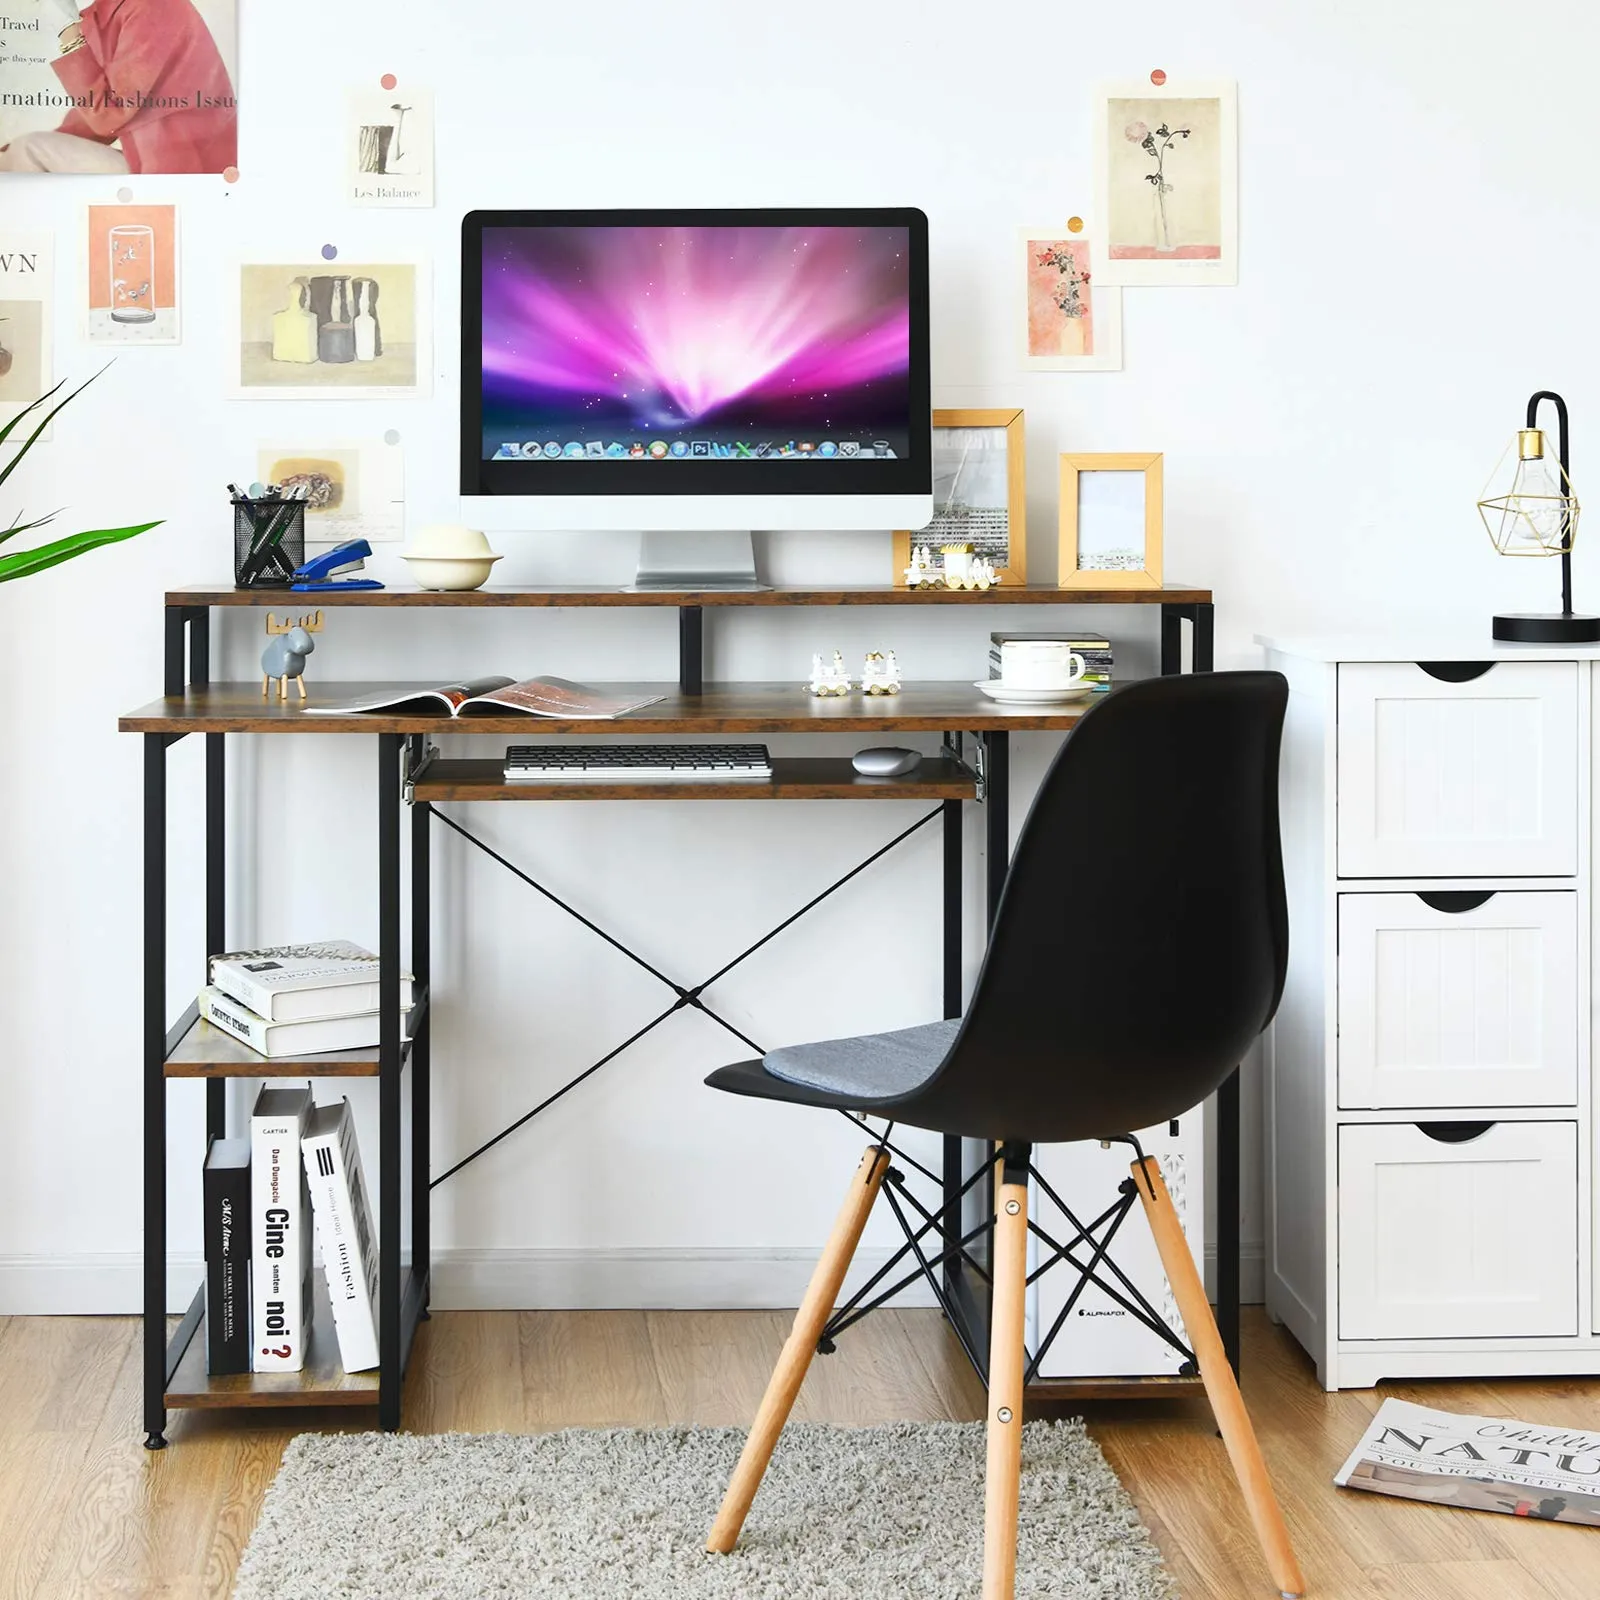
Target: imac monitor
(689,373)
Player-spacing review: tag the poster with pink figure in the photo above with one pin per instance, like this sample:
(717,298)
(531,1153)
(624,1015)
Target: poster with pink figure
(1073,323)
(118,86)
(1166,183)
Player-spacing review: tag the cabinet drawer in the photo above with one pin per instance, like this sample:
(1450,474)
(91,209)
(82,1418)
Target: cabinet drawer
(1443,1236)
(1445,1003)
(1473,779)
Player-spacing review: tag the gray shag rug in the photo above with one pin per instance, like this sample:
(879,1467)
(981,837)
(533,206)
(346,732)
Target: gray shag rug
(843,1514)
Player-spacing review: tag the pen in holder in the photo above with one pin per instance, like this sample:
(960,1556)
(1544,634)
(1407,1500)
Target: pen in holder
(269,541)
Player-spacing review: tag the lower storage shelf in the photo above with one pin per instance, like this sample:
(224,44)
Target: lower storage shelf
(321,1382)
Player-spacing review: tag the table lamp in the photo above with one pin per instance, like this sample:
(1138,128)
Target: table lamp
(1530,509)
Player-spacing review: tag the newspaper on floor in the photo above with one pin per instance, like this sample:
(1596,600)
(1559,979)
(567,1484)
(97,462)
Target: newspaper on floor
(1481,1463)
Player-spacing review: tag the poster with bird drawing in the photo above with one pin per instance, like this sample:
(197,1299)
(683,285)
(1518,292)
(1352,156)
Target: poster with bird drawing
(131,275)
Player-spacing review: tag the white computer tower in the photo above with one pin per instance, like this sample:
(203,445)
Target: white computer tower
(1100,1339)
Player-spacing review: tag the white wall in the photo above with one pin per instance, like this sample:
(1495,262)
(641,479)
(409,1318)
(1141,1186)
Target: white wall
(1418,239)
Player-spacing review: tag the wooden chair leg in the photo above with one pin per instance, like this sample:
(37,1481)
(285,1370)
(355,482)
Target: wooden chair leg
(1222,1387)
(1006,1361)
(790,1372)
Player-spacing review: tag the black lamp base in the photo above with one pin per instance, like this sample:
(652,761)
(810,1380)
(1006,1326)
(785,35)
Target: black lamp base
(1558,627)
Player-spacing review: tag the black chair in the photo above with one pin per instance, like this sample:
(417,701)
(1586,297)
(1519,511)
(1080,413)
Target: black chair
(1157,827)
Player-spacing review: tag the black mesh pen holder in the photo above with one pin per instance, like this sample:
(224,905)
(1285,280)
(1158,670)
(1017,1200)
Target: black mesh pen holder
(269,542)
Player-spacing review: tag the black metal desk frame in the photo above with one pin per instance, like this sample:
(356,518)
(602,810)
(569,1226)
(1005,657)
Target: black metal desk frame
(404,1293)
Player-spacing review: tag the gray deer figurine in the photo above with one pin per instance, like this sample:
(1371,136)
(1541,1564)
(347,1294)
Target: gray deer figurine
(285,657)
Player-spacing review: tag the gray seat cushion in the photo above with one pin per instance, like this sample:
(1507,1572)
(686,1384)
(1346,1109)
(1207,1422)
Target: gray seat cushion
(871,1065)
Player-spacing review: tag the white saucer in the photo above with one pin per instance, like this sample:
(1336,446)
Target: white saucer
(997,690)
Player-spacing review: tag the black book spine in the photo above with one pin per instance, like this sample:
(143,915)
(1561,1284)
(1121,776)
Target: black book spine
(227,1241)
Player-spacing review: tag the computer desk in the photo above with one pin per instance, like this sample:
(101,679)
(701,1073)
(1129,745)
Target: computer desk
(411,777)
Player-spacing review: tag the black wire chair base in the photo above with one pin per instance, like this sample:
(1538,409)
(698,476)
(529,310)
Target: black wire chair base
(953,1249)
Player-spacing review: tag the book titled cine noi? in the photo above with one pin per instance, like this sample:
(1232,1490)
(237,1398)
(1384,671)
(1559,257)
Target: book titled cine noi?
(280,1231)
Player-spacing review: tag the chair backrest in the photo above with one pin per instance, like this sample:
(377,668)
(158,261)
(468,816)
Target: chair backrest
(1141,942)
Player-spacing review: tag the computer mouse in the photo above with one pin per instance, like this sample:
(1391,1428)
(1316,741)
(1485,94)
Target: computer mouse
(885,761)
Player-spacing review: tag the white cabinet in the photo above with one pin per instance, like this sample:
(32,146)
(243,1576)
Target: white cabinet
(1450,999)
(1458,1230)
(1444,777)
(1430,1125)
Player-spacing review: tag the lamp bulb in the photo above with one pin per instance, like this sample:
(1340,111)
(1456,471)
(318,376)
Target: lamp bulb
(1541,504)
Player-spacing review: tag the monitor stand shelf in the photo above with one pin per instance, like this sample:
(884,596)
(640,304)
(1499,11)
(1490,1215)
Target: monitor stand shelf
(1179,603)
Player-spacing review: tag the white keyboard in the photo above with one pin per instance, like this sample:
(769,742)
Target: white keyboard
(638,763)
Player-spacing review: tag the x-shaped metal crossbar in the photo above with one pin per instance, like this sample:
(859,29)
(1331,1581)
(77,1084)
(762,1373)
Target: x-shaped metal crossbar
(686,996)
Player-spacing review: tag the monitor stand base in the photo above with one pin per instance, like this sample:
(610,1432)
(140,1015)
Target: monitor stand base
(688,563)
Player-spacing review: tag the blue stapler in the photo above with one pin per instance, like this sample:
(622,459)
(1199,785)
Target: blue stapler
(328,570)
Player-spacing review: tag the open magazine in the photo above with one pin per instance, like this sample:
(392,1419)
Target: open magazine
(539,697)
(1481,1463)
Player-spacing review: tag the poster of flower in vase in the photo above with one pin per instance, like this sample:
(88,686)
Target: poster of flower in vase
(1167,184)
(329,330)
(1072,324)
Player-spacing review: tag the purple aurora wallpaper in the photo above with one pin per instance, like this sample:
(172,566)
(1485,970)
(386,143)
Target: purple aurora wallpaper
(715,341)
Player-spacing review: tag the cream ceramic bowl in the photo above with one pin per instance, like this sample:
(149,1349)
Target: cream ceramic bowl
(450,572)
(447,556)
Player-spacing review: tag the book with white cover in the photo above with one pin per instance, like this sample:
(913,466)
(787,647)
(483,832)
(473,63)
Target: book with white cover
(298,982)
(278,1039)
(344,1226)
(280,1232)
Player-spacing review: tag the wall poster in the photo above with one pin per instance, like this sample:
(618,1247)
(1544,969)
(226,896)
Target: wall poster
(118,86)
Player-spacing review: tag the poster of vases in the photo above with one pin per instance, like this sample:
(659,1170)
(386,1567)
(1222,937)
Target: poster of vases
(1072,322)
(1166,184)
(330,331)
(391,147)
(353,489)
(131,275)
(26,297)
(116,86)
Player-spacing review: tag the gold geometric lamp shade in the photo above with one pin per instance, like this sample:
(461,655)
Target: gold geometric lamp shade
(1529,508)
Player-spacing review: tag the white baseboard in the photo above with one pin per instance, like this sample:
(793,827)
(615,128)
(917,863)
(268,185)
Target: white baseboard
(89,1285)
(511,1280)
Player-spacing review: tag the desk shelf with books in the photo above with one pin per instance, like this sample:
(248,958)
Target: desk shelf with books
(413,779)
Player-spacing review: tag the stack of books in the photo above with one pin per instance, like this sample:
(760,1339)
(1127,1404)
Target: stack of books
(299,1162)
(1096,654)
(298,999)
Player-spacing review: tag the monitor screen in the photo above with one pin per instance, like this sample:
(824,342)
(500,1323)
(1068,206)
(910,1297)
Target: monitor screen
(733,346)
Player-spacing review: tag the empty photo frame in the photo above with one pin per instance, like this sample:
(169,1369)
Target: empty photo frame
(1110,534)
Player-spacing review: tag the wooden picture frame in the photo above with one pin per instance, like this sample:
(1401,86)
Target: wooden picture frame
(1013,568)
(1108,531)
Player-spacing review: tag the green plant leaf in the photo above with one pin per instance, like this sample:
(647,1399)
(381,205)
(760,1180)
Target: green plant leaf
(32,405)
(33,438)
(19,526)
(25,562)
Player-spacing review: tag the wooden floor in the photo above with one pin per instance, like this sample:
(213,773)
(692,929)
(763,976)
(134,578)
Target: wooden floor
(85,1510)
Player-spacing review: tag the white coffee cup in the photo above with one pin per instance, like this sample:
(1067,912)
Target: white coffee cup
(1039,664)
